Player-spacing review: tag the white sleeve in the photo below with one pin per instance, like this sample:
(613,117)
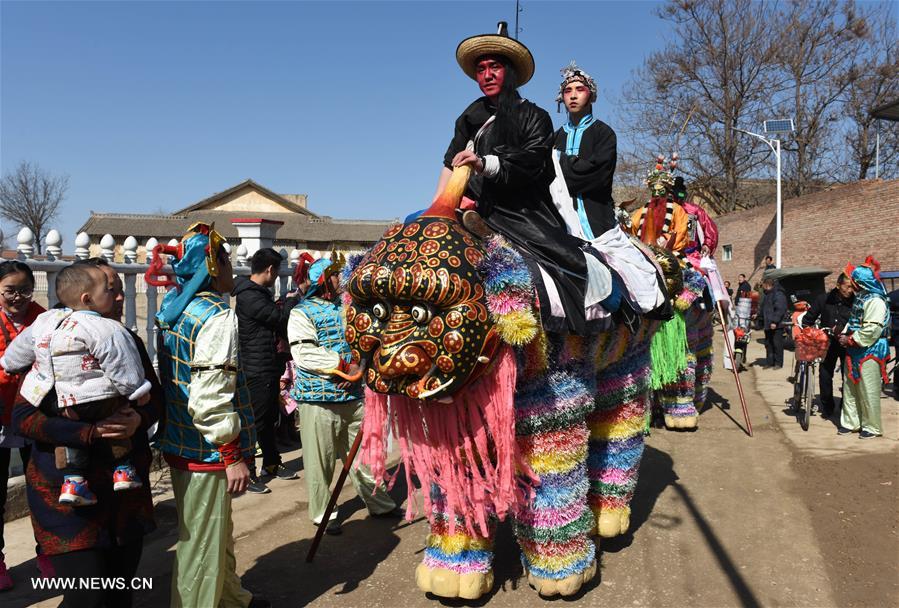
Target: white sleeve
(304,348)
(19,353)
(214,379)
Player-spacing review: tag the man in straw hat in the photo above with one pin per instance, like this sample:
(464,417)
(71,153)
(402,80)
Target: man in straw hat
(507,141)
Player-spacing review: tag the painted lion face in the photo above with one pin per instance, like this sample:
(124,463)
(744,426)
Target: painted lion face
(418,314)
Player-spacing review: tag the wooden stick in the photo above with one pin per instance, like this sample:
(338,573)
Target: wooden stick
(350,457)
(733,365)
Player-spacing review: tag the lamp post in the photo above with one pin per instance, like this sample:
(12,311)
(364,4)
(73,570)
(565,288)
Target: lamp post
(776,127)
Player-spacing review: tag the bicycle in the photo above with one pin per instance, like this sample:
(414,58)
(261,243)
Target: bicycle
(809,353)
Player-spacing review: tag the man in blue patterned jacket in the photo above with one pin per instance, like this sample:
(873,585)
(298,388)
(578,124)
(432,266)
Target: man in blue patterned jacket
(209,435)
(330,407)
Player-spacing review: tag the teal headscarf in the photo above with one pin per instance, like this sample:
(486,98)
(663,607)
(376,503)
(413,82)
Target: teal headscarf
(193,271)
(867,281)
(321,269)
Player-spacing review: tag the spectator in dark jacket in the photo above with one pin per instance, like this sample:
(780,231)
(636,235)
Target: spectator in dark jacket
(774,309)
(831,310)
(743,287)
(260,322)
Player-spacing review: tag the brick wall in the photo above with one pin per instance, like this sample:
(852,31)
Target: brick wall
(827,229)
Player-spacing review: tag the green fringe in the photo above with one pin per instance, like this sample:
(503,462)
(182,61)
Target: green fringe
(668,351)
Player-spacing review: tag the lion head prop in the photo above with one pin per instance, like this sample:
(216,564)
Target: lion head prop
(420,306)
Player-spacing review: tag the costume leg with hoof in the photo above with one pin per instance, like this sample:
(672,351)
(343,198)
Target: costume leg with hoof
(617,438)
(456,564)
(553,529)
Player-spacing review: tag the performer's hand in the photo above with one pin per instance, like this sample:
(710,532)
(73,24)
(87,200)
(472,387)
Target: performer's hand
(774,326)
(351,371)
(238,476)
(704,252)
(121,425)
(843,340)
(468,204)
(467,157)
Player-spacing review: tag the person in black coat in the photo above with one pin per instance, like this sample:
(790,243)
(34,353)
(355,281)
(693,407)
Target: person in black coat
(259,323)
(589,153)
(512,166)
(774,309)
(831,310)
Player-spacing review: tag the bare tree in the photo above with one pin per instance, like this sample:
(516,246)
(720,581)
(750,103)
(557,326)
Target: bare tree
(818,47)
(717,65)
(876,83)
(30,197)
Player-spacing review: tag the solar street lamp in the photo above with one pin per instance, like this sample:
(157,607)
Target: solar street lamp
(774,127)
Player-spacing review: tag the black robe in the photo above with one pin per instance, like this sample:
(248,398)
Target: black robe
(589,173)
(517,204)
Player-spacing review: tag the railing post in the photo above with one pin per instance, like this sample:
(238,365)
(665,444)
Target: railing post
(294,260)
(54,245)
(151,305)
(283,278)
(130,281)
(25,246)
(107,247)
(82,246)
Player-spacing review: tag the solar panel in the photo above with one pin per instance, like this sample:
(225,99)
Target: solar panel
(783,125)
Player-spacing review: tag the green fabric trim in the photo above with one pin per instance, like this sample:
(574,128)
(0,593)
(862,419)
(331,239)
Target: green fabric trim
(669,351)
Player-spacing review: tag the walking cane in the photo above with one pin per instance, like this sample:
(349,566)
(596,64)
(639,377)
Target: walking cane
(350,457)
(733,365)
(333,502)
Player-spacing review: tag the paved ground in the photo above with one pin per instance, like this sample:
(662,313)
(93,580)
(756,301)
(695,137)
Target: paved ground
(785,518)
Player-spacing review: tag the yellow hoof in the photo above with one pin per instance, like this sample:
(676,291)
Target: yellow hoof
(681,422)
(567,586)
(614,523)
(446,583)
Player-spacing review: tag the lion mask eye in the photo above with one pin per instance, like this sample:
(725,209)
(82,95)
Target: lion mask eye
(380,311)
(421,314)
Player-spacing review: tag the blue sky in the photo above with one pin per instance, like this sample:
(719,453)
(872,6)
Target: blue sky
(156,105)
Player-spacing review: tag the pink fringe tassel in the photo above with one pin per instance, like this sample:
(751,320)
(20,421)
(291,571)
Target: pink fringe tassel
(466,447)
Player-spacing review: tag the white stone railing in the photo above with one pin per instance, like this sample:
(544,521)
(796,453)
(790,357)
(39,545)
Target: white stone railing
(132,272)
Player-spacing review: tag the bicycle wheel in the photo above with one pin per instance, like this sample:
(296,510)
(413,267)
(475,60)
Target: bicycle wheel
(809,397)
(805,406)
(798,386)
(738,360)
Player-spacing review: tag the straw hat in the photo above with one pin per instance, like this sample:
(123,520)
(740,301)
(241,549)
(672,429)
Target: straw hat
(495,44)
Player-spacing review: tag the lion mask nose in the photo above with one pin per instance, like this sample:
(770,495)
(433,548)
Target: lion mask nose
(408,361)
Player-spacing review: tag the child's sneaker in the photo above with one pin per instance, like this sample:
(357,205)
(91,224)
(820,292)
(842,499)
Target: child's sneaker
(5,578)
(76,492)
(125,478)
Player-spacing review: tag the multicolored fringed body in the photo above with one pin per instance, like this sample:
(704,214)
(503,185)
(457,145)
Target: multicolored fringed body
(552,435)
(680,399)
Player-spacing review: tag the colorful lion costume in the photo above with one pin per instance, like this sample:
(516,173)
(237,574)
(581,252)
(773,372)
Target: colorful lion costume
(682,357)
(494,416)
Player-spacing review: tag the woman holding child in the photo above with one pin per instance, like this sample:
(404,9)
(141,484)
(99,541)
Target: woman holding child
(105,539)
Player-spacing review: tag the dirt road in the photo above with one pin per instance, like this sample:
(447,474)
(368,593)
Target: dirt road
(785,518)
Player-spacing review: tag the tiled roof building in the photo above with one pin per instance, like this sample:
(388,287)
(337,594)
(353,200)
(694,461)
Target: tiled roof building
(301,229)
